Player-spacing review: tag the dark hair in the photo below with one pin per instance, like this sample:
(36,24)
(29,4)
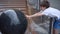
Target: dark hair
(13,22)
(44,4)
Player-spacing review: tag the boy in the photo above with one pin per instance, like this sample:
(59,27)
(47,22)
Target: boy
(49,11)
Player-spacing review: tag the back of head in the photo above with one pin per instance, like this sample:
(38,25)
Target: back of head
(13,22)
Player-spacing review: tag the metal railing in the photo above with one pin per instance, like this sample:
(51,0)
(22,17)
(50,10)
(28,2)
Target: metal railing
(52,20)
(51,23)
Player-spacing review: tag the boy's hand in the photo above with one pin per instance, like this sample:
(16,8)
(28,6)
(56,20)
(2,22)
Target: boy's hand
(28,16)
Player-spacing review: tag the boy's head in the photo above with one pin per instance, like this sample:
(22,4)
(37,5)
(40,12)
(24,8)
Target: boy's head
(44,5)
(13,22)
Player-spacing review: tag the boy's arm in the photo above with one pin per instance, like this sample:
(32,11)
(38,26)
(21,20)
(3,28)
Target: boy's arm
(35,15)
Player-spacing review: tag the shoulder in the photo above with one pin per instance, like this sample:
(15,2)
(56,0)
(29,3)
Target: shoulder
(54,9)
(51,9)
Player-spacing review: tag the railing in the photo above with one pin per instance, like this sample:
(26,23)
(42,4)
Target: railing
(52,20)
